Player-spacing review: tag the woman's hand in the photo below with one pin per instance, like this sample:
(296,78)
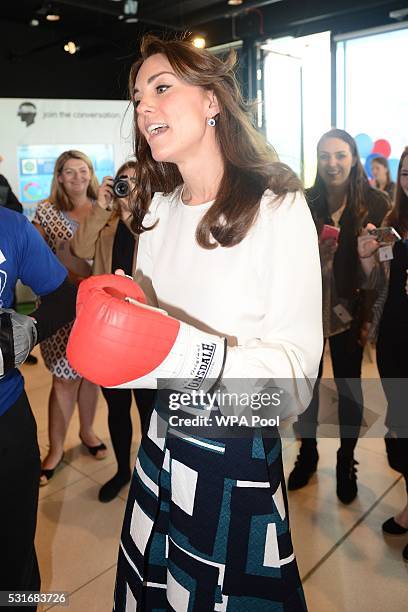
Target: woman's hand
(327,250)
(105,193)
(367,245)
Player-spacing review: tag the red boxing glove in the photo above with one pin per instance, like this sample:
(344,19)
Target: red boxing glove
(117,340)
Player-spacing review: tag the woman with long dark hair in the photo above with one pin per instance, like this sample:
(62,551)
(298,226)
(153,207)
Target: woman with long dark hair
(342,202)
(380,170)
(391,327)
(206,525)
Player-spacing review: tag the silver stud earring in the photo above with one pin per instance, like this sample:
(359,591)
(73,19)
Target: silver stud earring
(211,121)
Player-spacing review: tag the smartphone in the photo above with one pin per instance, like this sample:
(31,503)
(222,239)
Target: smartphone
(329,232)
(385,234)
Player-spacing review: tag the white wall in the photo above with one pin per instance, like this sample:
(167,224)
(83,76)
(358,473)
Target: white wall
(66,123)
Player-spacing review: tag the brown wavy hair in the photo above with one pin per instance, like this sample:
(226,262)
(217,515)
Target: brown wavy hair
(398,216)
(250,164)
(358,185)
(58,195)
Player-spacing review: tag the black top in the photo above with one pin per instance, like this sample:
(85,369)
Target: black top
(395,312)
(7,197)
(123,249)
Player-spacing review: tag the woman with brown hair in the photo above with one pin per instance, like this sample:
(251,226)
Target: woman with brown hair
(105,237)
(74,190)
(391,328)
(342,202)
(382,177)
(206,525)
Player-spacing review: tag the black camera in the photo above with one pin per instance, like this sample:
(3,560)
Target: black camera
(121,187)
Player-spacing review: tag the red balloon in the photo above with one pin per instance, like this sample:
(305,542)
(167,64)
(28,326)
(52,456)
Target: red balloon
(382,147)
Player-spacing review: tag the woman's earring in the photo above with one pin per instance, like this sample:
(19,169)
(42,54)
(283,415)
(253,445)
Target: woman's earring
(211,121)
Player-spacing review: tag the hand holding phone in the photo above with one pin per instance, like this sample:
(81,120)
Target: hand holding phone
(385,235)
(329,232)
(367,243)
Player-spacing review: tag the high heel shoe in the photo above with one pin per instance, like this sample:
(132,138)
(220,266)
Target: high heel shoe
(47,474)
(95,450)
(391,527)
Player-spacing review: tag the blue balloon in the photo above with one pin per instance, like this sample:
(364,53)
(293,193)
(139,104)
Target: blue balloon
(364,144)
(367,165)
(393,164)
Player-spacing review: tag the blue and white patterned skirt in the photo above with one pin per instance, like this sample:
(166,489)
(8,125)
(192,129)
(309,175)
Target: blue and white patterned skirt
(206,527)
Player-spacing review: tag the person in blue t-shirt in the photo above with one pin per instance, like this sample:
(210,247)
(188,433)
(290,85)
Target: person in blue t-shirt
(23,255)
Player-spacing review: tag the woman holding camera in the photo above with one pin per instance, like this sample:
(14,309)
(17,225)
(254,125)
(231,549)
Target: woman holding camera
(74,190)
(341,198)
(106,237)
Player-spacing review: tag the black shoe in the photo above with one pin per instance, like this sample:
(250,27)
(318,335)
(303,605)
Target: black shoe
(96,451)
(47,474)
(391,527)
(305,467)
(405,554)
(31,360)
(111,488)
(346,473)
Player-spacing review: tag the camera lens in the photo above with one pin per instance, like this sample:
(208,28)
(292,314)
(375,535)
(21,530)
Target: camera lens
(121,187)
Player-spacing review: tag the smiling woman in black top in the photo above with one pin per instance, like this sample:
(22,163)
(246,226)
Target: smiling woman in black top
(341,197)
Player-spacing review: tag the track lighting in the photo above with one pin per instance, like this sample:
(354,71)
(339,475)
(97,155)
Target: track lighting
(71,47)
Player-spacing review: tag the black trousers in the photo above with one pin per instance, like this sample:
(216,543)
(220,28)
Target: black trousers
(19,477)
(392,363)
(119,402)
(347,356)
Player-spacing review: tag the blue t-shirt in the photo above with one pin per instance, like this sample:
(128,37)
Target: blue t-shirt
(24,255)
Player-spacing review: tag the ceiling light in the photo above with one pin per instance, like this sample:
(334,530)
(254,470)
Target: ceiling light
(34,22)
(235,2)
(53,16)
(199,42)
(71,47)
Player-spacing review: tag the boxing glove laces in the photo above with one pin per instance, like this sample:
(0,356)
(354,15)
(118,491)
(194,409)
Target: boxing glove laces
(118,340)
